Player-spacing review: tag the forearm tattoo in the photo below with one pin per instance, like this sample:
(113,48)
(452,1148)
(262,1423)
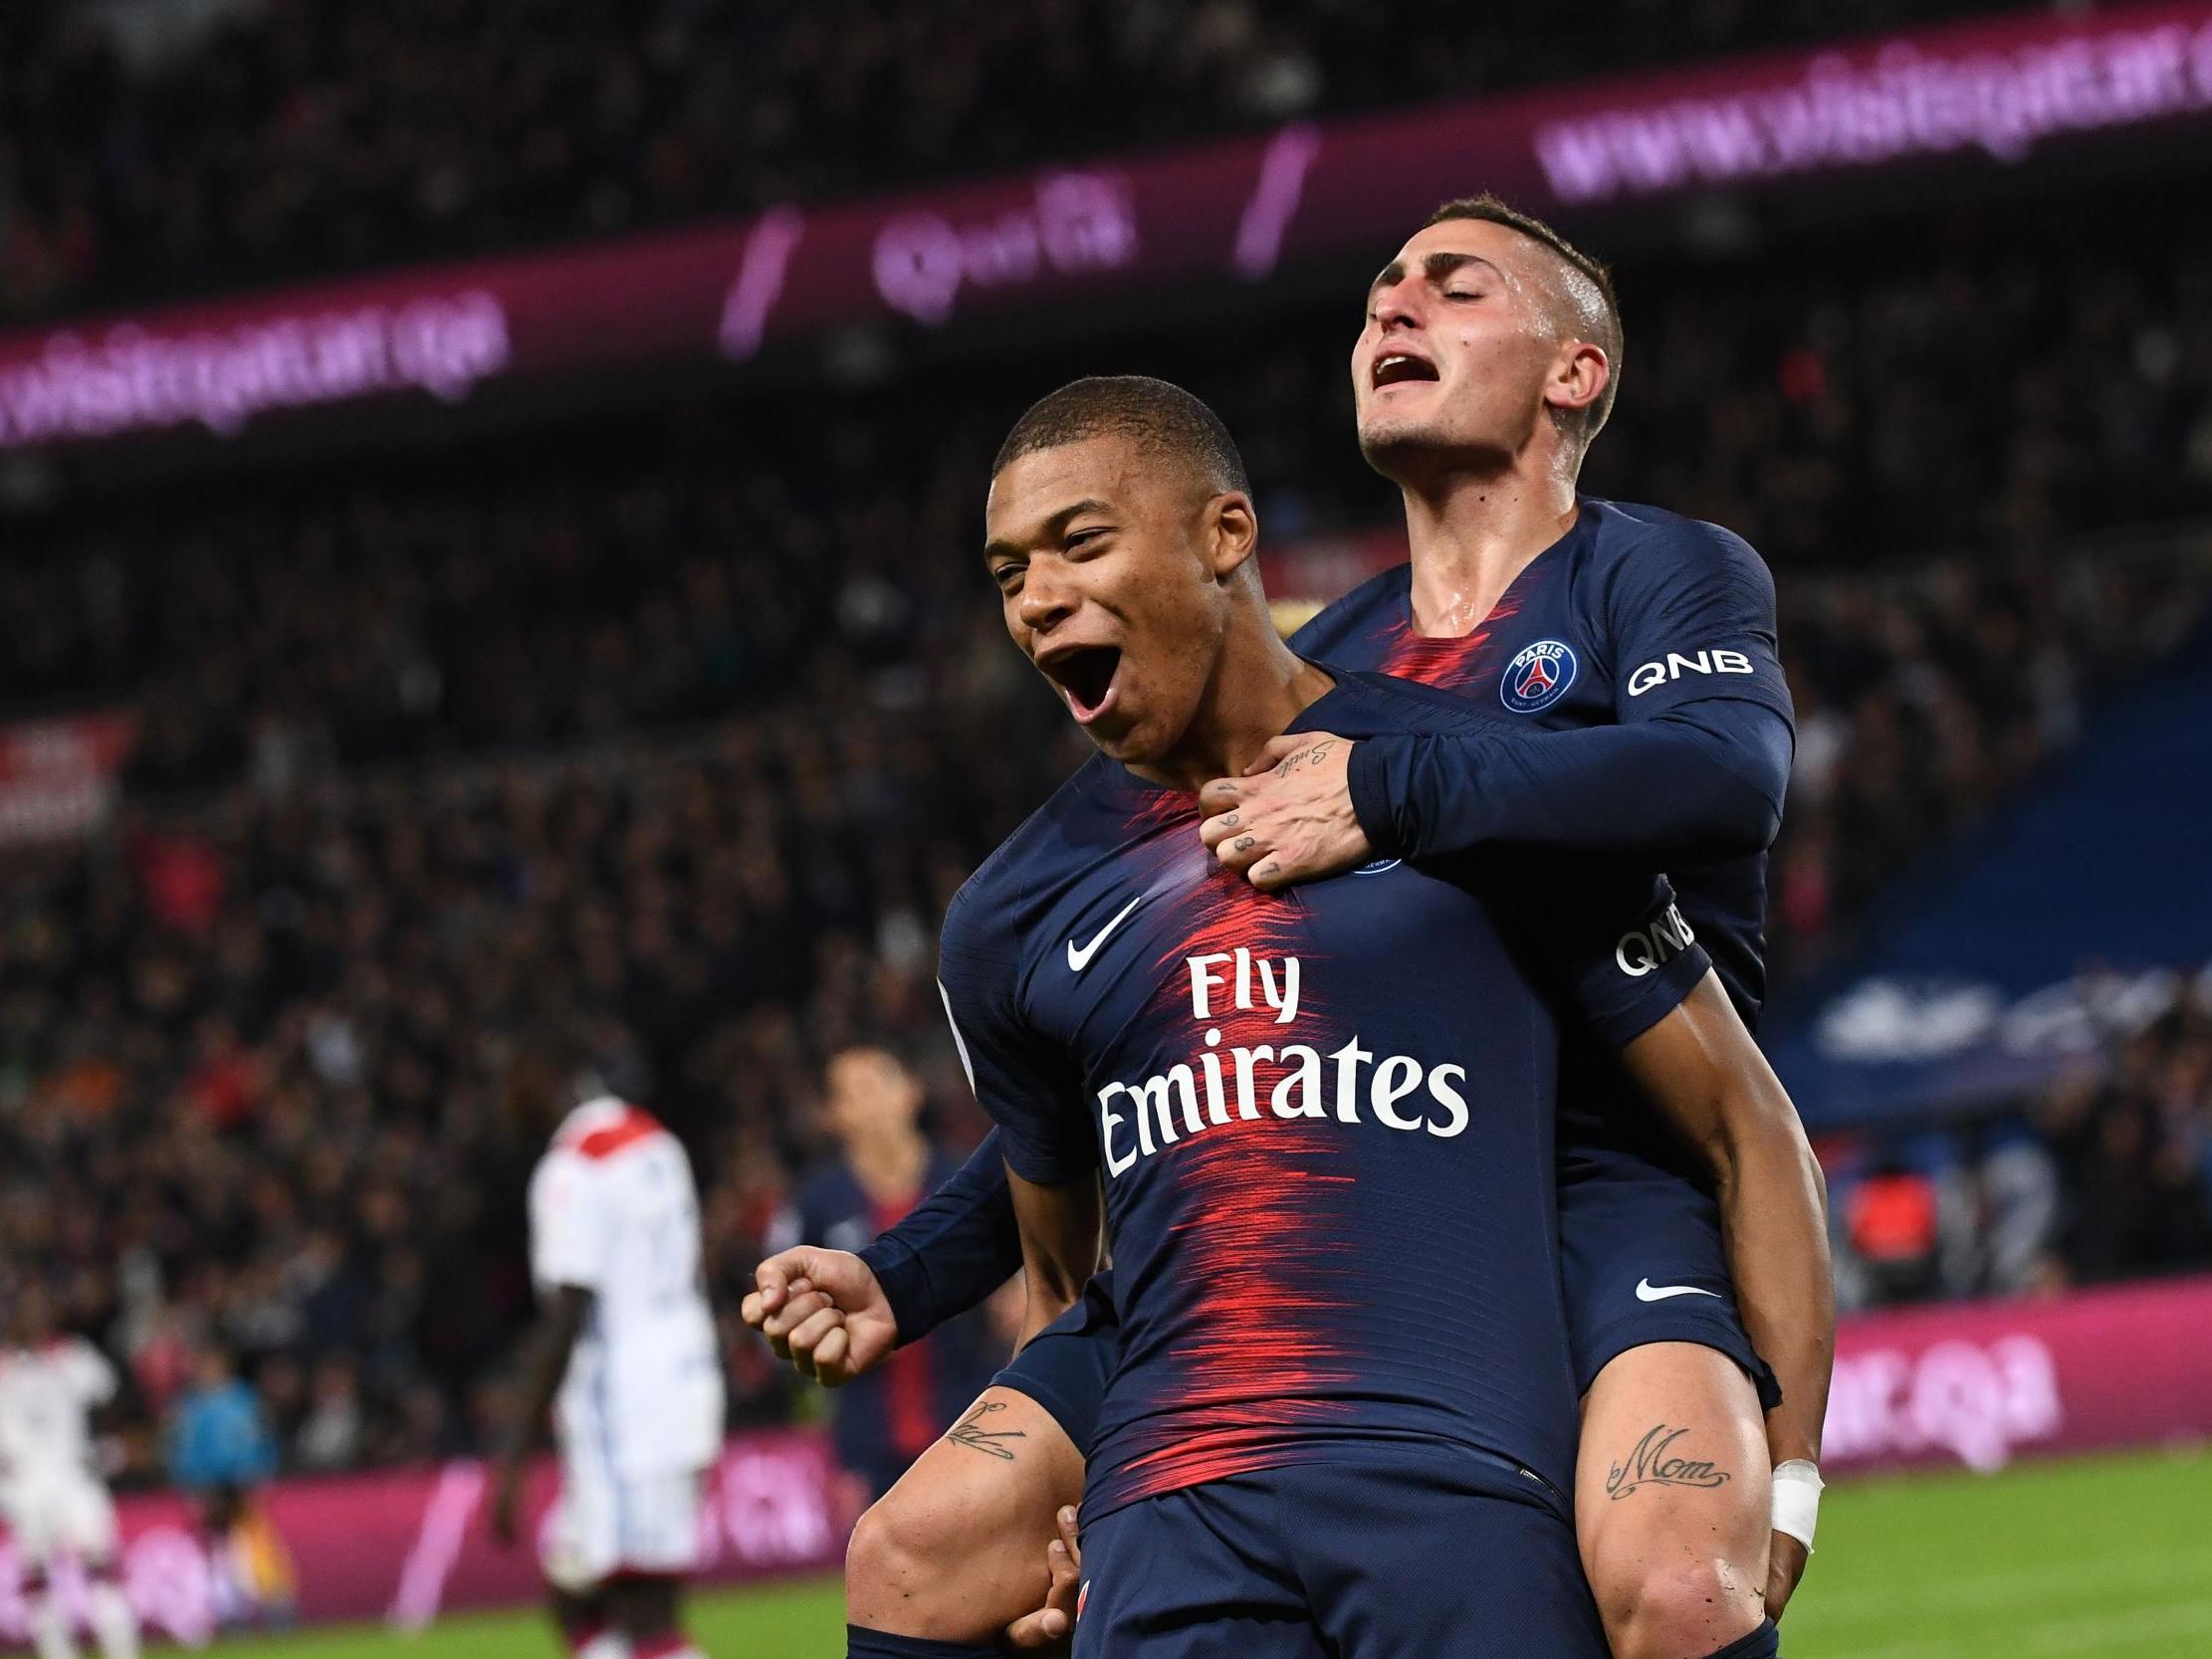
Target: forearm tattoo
(970,1432)
(1656,1462)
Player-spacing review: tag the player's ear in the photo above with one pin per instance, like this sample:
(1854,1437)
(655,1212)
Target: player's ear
(1580,374)
(1231,530)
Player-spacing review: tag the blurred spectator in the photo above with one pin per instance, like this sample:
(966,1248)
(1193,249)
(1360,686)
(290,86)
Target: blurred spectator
(2102,1177)
(2131,1150)
(885,1167)
(222,1451)
(331,1435)
(220,1445)
(1889,1218)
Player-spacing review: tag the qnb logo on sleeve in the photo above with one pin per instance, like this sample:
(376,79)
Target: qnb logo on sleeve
(1645,948)
(1676,665)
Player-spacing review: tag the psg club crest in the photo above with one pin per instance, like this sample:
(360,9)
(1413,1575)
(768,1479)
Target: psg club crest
(1538,677)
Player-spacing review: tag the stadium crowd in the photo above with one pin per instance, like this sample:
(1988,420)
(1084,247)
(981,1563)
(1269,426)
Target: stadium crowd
(247,1090)
(676,726)
(149,145)
(2109,1175)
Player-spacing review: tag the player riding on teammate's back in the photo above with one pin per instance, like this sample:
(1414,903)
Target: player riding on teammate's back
(1548,612)
(1286,1097)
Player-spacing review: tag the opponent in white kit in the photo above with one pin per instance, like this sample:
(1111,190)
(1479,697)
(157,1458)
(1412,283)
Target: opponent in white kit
(53,1504)
(626,1339)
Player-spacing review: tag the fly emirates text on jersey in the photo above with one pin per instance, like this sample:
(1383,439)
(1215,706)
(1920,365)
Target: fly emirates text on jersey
(1254,1081)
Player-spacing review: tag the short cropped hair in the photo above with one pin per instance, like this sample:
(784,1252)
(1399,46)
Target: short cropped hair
(1159,416)
(1589,287)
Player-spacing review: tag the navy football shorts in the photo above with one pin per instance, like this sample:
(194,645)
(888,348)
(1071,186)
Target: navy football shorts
(1440,1552)
(1642,1261)
(1066,1365)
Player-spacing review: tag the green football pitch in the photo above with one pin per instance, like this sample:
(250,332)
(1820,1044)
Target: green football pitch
(2085,1558)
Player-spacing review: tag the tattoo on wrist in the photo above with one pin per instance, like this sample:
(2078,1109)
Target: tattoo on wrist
(970,1432)
(1656,1462)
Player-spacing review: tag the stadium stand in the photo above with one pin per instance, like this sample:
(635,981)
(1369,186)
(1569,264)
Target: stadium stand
(229,140)
(244,1027)
(672,720)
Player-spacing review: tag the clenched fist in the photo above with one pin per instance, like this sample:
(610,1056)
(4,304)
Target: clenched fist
(823,1311)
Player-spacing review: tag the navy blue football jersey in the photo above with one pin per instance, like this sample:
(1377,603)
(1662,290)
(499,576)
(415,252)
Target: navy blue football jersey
(1634,612)
(1323,1118)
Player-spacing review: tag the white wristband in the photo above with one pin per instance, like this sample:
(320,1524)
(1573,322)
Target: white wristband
(1796,1500)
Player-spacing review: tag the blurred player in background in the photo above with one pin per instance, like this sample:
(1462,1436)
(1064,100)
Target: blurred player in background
(52,1500)
(222,1451)
(888,1418)
(626,1343)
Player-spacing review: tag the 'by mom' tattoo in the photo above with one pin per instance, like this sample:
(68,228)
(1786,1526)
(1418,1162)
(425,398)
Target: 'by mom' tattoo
(1655,1463)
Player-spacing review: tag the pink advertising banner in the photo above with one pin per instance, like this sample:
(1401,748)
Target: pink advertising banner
(1975,1384)
(1231,213)
(1982,1383)
(405,1545)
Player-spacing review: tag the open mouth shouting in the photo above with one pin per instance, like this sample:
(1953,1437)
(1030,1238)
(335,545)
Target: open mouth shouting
(1085,675)
(1395,367)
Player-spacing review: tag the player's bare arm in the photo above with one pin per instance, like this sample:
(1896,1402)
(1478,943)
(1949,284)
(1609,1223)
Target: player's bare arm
(1704,1073)
(545,1361)
(1061,1229)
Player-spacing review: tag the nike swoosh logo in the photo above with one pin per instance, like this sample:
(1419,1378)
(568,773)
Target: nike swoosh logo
(1646,1291)
(1079,957)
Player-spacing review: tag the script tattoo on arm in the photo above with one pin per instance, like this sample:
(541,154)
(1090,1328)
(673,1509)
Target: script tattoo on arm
(1654,1461)
(970,1432)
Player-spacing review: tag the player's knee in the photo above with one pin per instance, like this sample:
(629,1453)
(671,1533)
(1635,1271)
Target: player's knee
(1679,1612)
(894,1549)
(914,1568)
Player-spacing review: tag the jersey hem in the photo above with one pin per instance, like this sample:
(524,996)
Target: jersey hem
(1512,1478)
